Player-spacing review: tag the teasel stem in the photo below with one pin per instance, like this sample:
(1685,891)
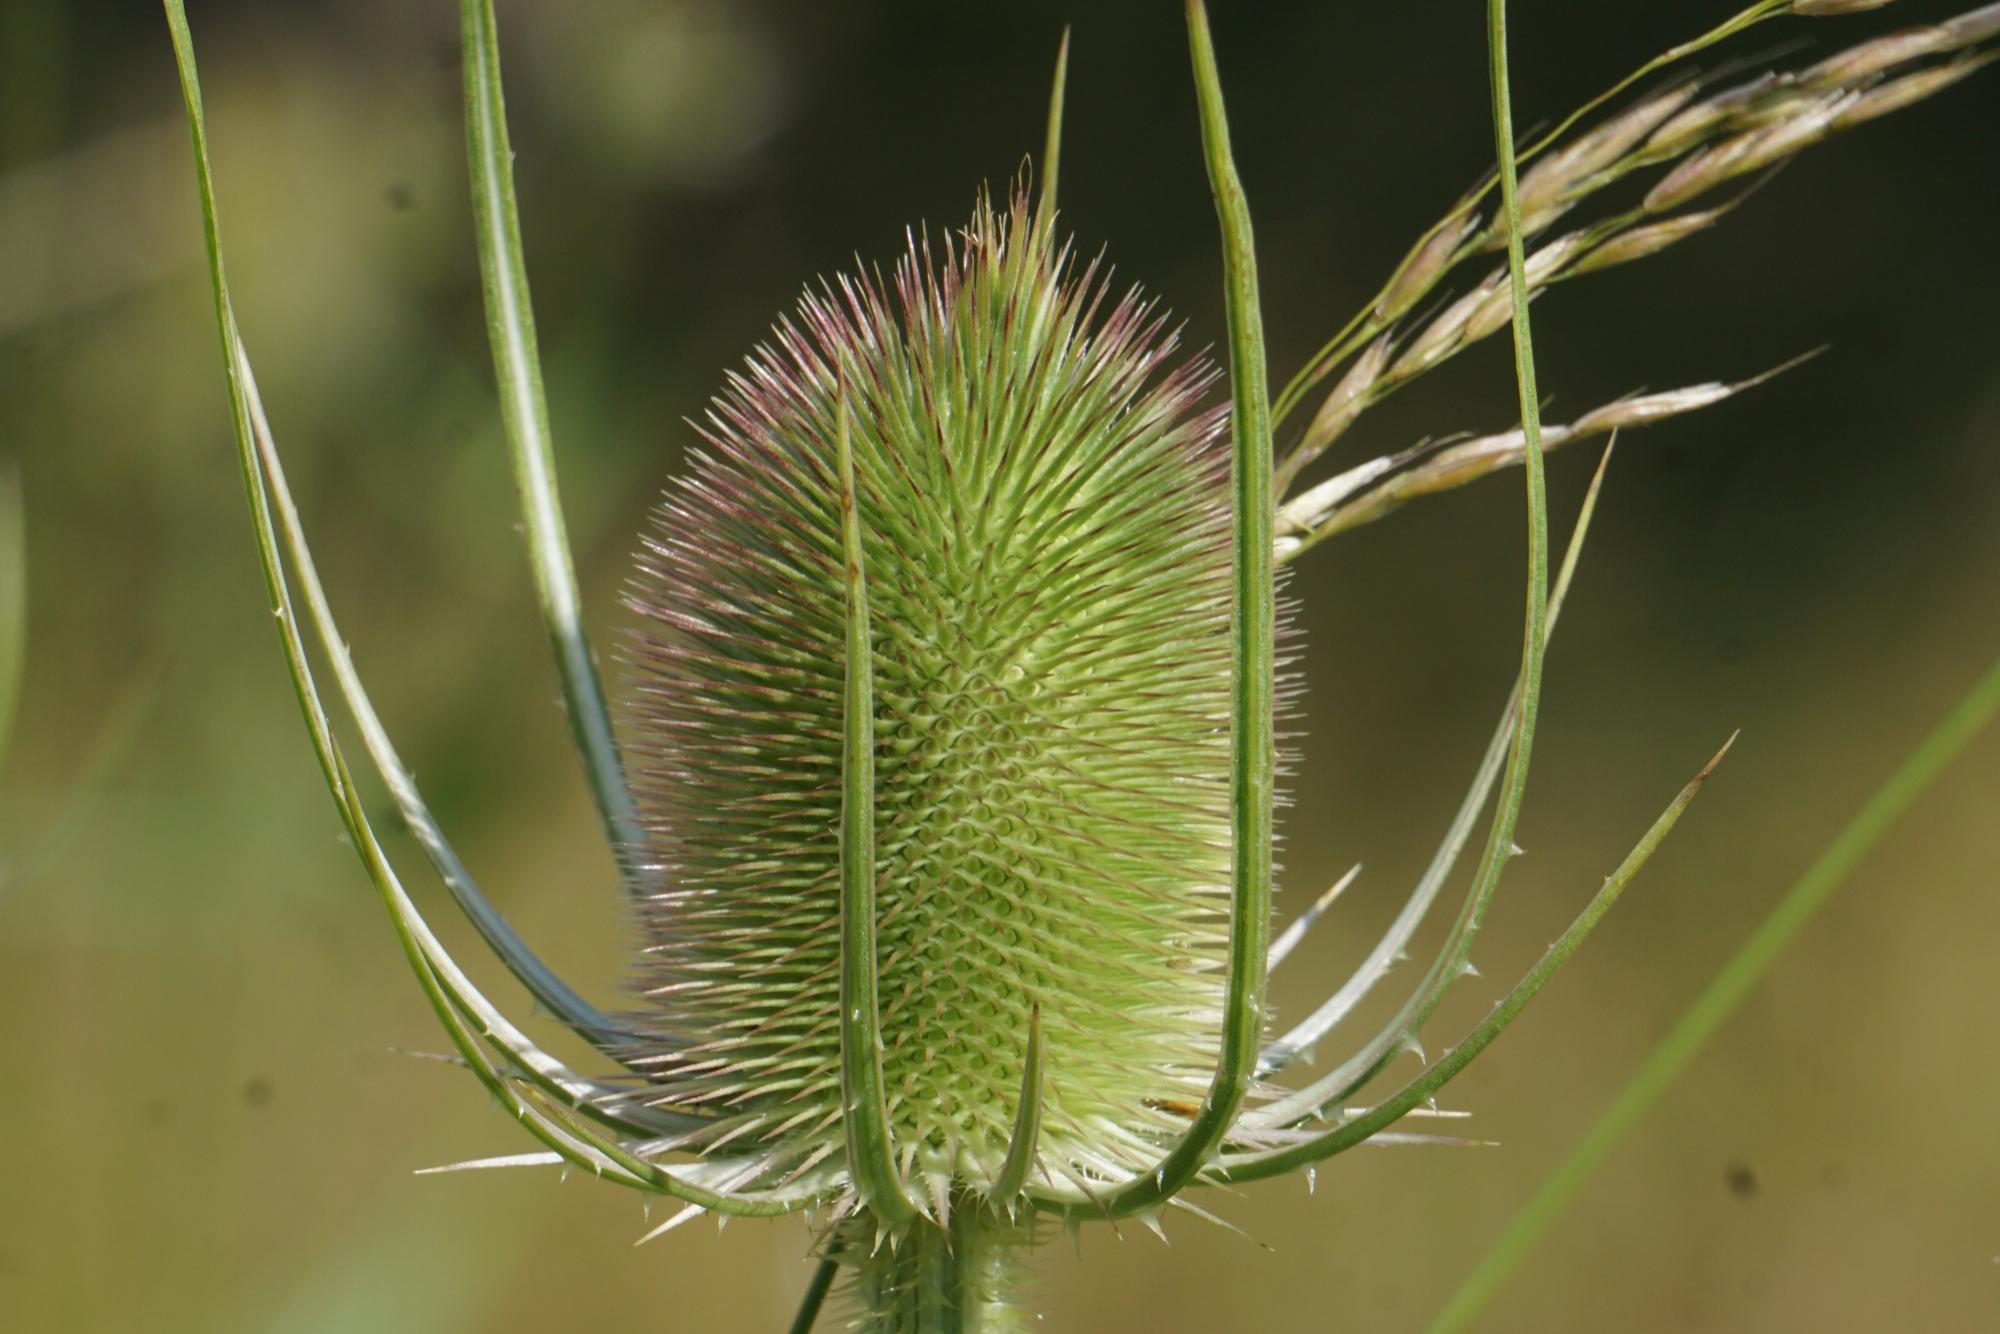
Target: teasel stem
(963,1278)
(524,412)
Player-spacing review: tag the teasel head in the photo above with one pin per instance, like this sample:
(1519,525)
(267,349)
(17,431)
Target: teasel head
(1040,495)
(950,733)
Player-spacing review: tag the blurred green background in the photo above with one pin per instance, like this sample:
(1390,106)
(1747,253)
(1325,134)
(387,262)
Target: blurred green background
(204,1125)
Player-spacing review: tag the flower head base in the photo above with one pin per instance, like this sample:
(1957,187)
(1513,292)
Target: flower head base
(1043,506)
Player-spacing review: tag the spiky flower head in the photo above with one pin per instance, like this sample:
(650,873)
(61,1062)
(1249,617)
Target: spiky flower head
(1042,499)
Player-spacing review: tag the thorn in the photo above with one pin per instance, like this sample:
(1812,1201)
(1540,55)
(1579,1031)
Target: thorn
(683,1216)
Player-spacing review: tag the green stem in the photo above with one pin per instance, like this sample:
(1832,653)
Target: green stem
(962,1280)
(1720,998)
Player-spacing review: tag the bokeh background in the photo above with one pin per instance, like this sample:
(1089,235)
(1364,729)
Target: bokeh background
(204,1125)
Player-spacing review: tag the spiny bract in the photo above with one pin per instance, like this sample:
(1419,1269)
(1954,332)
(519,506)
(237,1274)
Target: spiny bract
(1044,509)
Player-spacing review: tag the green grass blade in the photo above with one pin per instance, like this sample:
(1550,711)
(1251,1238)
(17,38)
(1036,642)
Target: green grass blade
(1253,760)
(1690,1035)
(871,1152)
(13,597)
(1255,1166)
(510,325)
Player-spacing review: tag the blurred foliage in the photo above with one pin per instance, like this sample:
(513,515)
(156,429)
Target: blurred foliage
(207,1128)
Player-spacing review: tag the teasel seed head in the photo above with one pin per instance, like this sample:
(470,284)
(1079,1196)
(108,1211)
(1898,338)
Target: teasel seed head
(1044,515)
